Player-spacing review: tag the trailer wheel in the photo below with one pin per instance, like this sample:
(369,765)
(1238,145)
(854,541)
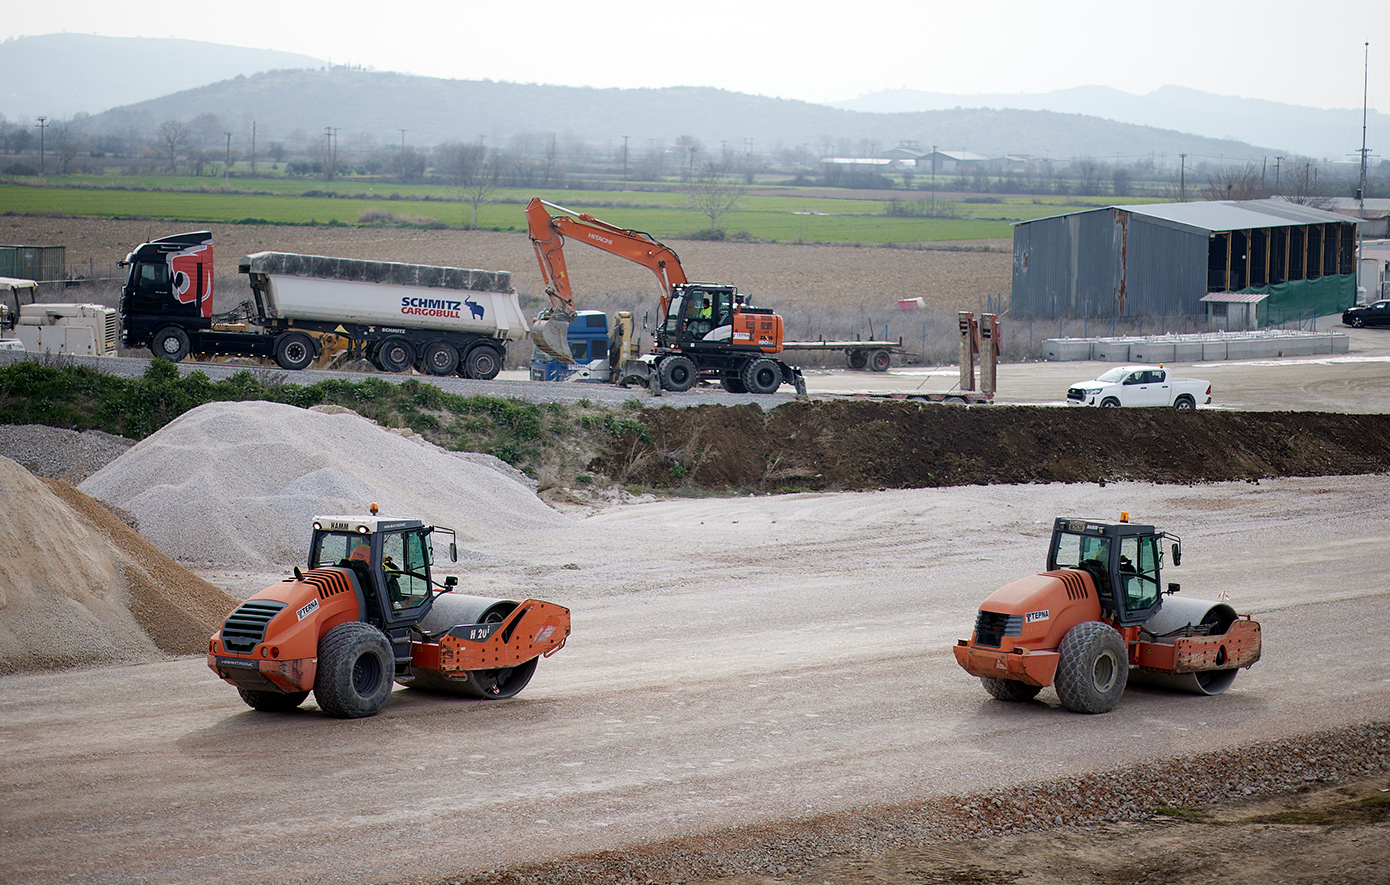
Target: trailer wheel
(441,358)
(170,343)
(1009,689)
(1184,403)
(1110,403)
(761,376)
(858,359)
(395,354)
(355,671)
(1093,668)
(678,373)
(272,701)
(294,351)
(483,363)
(880,360)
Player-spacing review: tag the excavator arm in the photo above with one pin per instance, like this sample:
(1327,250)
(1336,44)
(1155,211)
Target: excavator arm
(548,225)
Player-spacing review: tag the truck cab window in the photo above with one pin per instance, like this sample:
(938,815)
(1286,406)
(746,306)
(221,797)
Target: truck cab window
(153,277)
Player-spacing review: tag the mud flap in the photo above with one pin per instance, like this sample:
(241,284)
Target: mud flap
(797,380)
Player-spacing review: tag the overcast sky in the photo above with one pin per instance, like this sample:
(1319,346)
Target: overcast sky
(1282,50)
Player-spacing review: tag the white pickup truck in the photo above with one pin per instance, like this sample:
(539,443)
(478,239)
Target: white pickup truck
(1132,386)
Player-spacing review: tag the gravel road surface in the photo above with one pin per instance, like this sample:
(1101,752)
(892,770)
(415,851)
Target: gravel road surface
(734,662)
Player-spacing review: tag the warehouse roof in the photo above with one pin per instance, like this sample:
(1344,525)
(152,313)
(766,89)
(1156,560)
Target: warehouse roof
(1227,215)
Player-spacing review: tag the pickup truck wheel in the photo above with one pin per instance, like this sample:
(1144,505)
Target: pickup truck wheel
(1010,689)
(294,351)
(395,354)
(678,373)
(1093,668)
(170,343)
(355,671)
(858,359)
(272,701)
(1184,403)
(761,376)
(880,360)
(441,358)
(483,363)
(1109,403)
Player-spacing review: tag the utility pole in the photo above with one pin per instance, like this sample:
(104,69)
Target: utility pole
(42,124)
(1182,180)
(227,169)
(1277,162)
(933,180)
(253,148)
(624,159)
(1365,93)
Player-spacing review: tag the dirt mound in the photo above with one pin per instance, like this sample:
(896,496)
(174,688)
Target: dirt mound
(870,444)
(80,588)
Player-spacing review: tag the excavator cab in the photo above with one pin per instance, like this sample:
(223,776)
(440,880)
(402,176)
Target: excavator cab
(700,313)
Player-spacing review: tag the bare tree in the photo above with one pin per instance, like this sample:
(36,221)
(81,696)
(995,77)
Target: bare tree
(1303,188)
(471,170)
(65,146)
(1231,183)
(712,192)
(172,141)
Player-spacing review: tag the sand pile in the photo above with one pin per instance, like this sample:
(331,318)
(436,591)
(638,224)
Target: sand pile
(238,483)
(79,588)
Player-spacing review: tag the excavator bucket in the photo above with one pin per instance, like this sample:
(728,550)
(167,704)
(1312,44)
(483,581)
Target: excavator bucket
(550,334)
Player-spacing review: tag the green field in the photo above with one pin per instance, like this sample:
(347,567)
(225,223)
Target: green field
(804,215)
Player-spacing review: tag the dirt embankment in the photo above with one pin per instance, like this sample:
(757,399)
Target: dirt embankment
(871,444)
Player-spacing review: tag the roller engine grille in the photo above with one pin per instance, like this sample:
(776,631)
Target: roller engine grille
(245,627)
(992,627)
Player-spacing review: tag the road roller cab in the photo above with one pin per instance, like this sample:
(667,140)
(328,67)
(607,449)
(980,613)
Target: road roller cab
(1100,614)
(368,612)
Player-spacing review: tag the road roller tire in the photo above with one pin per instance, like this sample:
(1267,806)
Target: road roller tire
(355,671)
(1093,668)
(272,701)
(1009,689)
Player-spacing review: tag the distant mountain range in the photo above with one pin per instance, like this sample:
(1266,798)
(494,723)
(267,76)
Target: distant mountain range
(1294,129)
(130,86)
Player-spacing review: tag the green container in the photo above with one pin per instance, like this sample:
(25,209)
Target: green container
(41,263)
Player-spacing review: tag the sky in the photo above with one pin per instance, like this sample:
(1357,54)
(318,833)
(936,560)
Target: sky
(1290,51)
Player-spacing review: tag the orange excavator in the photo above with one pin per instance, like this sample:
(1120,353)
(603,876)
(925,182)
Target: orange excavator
(704,330)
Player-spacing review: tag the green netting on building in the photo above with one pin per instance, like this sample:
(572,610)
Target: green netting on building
(1303,298)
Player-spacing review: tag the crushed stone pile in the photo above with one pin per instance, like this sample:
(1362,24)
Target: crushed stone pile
(80,588)
(239,483)
(56,453)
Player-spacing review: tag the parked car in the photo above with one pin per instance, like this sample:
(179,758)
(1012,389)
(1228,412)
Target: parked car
(1377,314)
(1137,386)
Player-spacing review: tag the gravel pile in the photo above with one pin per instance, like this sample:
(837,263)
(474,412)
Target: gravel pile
(1137,793)
(55,453)
(239,483)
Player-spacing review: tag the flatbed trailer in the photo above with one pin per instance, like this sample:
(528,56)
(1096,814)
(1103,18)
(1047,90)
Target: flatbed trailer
(875,355)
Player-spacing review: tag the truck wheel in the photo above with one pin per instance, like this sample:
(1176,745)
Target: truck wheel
(1110,403)
(355,671)
(395,354)
(483,363)
(761,376)
(1009,689)
(170,343)
(441,358)
(678,373)
(1093,668)
(858,359)
(272,701)
(1184,402)
(294,351)
(880,360)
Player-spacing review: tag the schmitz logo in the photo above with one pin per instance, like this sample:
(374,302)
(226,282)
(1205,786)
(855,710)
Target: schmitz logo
(431,307)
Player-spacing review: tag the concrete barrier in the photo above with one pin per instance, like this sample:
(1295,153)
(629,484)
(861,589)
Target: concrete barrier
(1270,344)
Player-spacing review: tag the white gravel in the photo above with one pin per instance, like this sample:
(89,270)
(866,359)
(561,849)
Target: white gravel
(238,483)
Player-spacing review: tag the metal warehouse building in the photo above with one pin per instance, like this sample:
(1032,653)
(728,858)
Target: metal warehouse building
(1165,259)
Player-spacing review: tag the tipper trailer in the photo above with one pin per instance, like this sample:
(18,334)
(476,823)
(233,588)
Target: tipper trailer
(439,320)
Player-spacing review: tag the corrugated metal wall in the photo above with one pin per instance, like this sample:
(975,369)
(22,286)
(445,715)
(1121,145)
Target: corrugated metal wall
(42,263)
(1167,269)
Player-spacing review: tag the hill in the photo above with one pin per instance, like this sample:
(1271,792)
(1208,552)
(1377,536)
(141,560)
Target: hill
(59,75)
(375,106)
(1294,129)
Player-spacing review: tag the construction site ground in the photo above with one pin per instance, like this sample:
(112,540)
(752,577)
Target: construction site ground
(759,688)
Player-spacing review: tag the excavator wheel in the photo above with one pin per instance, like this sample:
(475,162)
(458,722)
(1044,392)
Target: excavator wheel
(272,701)
(355,671)
(733,385)
(678,373)
(1093,668)
(1009,689)
(761,376)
